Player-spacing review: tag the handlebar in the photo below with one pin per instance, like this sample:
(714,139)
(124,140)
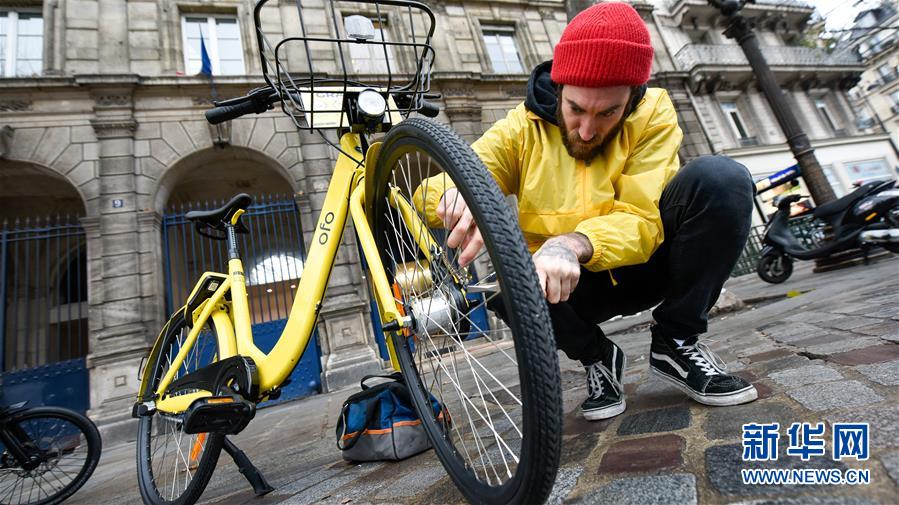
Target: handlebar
(429,109)
(258,101)
(262,99)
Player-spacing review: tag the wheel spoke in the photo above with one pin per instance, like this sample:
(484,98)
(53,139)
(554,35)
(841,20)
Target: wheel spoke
(484,421)
(167,447)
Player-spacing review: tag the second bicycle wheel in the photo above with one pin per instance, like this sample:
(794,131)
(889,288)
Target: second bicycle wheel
(66,446)
(174,467)
(499,432)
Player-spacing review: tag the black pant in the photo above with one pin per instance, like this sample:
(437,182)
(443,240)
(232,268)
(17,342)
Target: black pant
(706,211)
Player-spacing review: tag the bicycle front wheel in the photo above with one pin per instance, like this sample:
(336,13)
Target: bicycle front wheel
(174,467)
(487,389)
(66,446)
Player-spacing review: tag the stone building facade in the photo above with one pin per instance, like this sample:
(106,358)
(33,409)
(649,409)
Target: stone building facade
(874,38)
(102,117)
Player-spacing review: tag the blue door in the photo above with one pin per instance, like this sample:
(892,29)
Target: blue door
(273,255)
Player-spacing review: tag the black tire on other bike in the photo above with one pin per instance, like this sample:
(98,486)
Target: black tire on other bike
(775,267)
(173,468)
(69,446)
(499,431)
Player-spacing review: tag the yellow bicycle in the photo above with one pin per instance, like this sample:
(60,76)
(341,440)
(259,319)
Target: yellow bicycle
(499,434)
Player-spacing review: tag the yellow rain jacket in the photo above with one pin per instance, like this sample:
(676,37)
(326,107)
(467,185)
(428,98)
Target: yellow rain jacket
(612,199)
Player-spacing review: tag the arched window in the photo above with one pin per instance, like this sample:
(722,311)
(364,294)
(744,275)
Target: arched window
(275,268)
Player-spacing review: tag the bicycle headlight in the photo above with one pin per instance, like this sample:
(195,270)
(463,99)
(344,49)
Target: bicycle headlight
(371,104)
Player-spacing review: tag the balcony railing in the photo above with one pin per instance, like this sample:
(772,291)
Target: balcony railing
(693,55)
(865,123)
(796,4)
(749,141)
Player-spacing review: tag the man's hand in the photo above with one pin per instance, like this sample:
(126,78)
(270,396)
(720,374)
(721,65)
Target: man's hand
(464,233)
(558,264)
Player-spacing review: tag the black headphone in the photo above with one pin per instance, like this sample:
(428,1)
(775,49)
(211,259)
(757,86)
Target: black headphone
(635,100)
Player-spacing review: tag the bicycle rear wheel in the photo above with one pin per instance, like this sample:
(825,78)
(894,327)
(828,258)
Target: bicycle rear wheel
(67,445)
(173,467)
(499,431)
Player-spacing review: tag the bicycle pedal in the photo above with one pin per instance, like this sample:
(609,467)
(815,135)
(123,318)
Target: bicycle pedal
(227,415)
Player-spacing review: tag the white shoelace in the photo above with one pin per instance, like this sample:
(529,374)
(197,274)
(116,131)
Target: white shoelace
(701,354)
(594,383)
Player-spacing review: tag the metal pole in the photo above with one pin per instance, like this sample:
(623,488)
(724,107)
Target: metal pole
(3,251)
(740,30)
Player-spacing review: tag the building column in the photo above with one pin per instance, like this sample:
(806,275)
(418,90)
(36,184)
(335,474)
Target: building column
(118,337)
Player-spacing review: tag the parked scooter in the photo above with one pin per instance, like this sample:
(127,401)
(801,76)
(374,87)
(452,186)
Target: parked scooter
(867,217)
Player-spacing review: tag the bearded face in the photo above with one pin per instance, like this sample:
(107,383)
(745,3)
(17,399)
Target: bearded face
(589,118)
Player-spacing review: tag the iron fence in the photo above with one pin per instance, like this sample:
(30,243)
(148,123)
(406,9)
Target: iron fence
(43,314)
(272,252)
(43,285)
(273,255)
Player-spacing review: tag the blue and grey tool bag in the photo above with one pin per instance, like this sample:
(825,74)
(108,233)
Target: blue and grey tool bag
(380,423)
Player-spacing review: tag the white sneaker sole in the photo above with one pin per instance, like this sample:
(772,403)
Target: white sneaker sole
(744,395)
(605,412)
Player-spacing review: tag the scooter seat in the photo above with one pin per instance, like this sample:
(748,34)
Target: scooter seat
(841,204)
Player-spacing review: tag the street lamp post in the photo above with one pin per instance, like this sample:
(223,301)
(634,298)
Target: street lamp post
(740,30)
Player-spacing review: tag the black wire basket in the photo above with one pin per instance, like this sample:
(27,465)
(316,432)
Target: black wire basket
(316,73)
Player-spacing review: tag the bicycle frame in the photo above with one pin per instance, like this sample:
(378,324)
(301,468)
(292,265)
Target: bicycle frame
(231,320)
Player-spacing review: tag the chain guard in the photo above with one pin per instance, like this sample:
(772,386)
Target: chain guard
(234,375)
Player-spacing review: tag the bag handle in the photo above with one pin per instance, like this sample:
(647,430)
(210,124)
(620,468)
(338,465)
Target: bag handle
(398,387)
(395,376)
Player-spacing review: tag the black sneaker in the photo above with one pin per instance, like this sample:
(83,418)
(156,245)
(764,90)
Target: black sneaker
(696,370)
(605,394)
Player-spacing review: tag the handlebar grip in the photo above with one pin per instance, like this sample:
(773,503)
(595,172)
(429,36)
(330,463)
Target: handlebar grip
(224,113)
(429,109)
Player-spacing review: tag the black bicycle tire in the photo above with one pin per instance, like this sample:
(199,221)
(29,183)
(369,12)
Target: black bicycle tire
(535,347)
(205,468)
(91,435)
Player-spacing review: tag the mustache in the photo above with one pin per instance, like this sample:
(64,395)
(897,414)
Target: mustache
(586,151)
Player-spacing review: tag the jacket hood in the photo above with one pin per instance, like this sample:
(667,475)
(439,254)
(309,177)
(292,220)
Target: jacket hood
(541,99)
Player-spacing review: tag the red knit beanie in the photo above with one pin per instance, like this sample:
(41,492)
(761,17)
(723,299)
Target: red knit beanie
(606,44)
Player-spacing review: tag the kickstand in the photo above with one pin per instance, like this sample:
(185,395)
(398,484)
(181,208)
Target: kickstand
(865,248)
(257,480)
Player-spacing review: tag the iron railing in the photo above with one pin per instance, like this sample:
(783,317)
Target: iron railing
(805,228)
(673,5)
(43,287)
(273,254)
(694,55)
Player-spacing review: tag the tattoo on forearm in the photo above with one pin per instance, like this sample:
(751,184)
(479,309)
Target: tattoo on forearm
(556,250)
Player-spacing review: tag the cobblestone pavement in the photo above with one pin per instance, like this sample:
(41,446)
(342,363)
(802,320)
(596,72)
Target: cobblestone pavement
(829,354)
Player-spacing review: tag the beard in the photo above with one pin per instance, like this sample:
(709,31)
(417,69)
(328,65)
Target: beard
(577,148)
